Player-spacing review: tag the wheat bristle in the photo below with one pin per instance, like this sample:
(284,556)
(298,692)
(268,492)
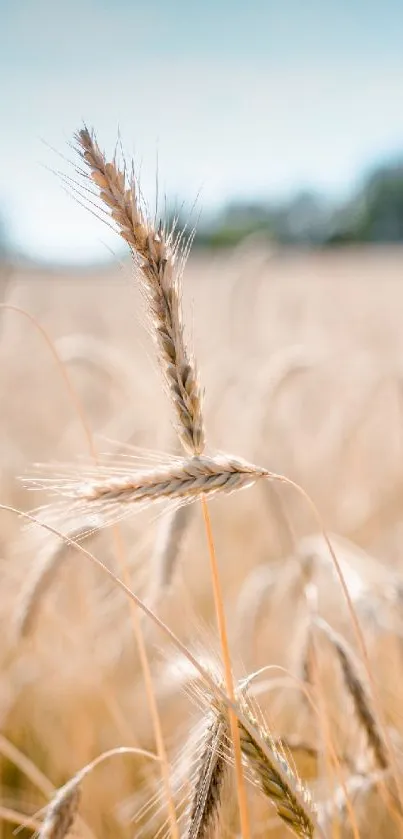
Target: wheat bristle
(358,693)
(209,779)
(61,811)
(160,273)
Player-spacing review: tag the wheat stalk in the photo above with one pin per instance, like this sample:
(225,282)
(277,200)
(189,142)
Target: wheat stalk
(358,693)
(160,268)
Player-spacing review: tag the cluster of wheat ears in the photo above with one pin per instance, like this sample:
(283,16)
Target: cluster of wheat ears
(234,763)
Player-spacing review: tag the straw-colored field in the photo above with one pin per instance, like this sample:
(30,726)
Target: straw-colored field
(301,357)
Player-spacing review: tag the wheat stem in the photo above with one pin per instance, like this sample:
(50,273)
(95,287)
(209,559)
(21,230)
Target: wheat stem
(229,683)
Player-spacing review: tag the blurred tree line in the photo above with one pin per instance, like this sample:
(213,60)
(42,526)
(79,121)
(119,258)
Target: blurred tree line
(374,213)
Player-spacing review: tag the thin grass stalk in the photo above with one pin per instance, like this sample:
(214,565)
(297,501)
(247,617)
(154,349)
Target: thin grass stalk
(229,682)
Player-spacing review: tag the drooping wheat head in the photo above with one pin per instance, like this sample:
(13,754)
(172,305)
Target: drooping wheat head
(356,689)
(275,777)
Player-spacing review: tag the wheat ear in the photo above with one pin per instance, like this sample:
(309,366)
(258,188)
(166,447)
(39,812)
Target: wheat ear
(108,492)
(357,691)
(276,778)
(209,779)
(160,268)
(40,580)
(170,536)
(61,811)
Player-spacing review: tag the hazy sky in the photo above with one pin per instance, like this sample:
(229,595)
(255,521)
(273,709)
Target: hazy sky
(234,98)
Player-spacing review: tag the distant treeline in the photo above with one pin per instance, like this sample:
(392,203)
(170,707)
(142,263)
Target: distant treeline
(374,213)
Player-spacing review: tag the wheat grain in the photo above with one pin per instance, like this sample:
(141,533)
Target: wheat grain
(160,269)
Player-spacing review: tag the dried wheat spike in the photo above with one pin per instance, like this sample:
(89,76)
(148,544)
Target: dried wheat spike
(43,574)
(61,811)
(276,779)
(111,493)
(157,255)
(358,693)
(170,535)
(209,779)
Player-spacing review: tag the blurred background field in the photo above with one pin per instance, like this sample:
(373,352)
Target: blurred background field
(301,356)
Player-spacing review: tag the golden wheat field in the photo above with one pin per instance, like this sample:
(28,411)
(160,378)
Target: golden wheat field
(300,356)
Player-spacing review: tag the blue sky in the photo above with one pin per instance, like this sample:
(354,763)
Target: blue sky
(233,99)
